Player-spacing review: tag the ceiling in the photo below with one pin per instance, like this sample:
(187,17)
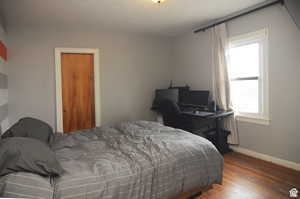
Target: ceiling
(173,17)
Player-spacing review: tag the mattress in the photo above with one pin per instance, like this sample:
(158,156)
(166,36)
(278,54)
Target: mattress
(26,185)
(134,160)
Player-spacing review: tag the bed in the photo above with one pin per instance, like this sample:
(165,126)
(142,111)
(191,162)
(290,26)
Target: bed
(131,160)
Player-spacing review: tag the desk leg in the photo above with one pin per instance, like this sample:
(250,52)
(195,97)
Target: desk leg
(221,143)
(218,134)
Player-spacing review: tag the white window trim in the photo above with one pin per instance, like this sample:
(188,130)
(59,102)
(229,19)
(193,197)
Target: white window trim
(255,120)
(59,111)
(262,37)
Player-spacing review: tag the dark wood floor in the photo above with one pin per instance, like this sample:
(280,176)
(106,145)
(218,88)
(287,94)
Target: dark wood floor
(249,178)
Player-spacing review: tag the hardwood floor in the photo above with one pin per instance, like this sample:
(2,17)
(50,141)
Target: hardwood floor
(249,178)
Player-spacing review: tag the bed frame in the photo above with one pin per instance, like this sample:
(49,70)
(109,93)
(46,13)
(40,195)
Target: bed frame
(193,194)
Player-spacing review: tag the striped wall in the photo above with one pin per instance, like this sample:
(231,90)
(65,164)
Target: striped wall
(3,84)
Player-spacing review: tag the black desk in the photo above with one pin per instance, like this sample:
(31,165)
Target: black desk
(218,118)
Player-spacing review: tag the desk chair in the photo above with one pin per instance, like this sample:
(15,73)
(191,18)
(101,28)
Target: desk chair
(173,116)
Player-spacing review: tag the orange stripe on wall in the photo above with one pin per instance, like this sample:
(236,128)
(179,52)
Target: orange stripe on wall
(3,51)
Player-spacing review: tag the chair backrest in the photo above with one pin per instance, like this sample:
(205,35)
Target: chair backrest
(171,113)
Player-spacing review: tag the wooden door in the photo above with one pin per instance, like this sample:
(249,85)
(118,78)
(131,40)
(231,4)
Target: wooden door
(78,95)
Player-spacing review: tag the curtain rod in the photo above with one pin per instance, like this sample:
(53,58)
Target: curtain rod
(240,15)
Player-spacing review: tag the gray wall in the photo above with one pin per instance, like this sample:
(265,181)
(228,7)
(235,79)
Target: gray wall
(131,67)
(293,6)
(192,60)
(3,85)
(192,53)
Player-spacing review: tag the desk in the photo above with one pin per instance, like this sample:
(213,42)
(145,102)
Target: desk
(218,118)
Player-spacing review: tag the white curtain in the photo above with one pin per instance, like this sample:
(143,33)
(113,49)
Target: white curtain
(221,84)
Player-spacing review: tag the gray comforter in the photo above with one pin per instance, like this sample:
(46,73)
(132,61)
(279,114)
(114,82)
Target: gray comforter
(133,160)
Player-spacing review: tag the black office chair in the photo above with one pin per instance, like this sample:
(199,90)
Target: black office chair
(173,116)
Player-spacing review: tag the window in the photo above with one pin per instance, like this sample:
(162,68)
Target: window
(248,76)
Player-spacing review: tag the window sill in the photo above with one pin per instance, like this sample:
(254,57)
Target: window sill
(260,121)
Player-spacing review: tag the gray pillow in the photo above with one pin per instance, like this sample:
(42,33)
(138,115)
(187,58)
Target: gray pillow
(19,154)
(31,127)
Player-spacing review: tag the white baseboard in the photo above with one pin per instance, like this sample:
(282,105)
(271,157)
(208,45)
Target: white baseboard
(268,158)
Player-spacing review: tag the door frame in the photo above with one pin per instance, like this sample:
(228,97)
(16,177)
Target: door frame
(58,80)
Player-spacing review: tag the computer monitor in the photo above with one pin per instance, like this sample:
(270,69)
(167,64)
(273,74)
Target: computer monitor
(166,94)
(183,92)
(197,98)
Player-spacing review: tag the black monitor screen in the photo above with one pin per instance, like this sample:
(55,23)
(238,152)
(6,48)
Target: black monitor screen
(197,98)
(166,94)
(183,92)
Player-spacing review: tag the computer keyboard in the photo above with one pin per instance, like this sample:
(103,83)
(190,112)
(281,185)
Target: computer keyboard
(199,113)
(203,113)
